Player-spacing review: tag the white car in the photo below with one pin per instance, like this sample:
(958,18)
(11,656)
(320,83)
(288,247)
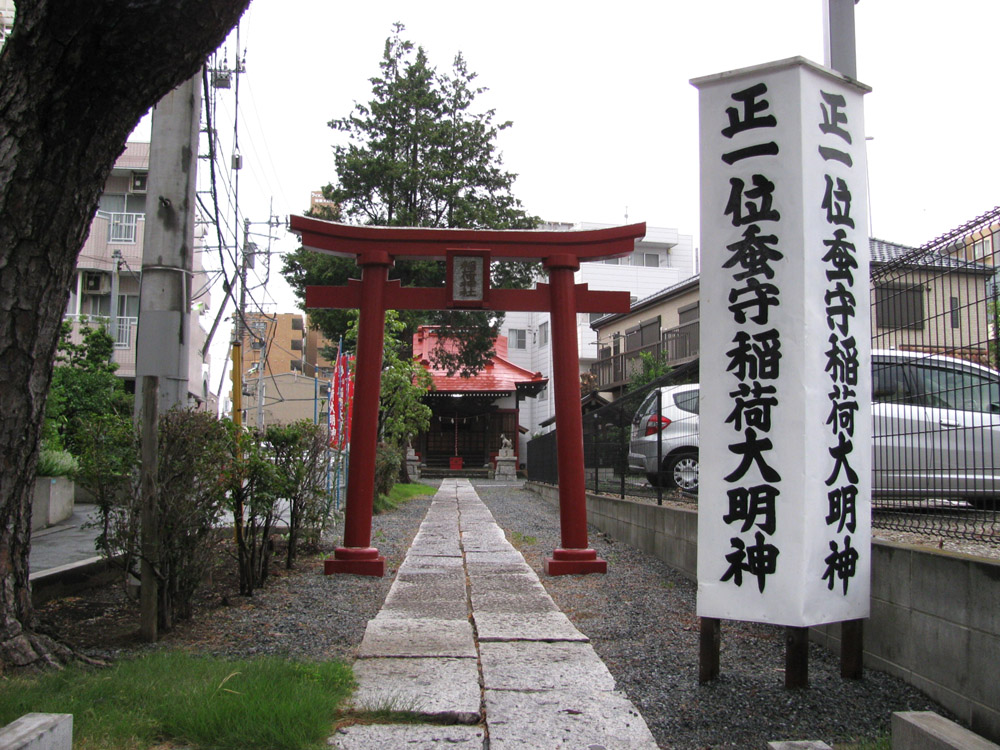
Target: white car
(936,429)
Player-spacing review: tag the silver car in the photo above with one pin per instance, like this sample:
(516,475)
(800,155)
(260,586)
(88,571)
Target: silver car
(668,437)
(936,430)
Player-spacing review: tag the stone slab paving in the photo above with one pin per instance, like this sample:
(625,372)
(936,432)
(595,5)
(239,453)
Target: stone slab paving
(517,720)
(534,665)
(440,689)
(389,637)
(468,634)
(409,736)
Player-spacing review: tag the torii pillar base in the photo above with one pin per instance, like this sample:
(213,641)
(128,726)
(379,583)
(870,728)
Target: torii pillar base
(567,562)
(360,561)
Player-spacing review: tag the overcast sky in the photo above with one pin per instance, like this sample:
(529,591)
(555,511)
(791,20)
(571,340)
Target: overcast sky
(605,119)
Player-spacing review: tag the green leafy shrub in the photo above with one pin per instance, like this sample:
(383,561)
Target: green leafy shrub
(388,461)
(253,486)
(299,454)
(53,462)
(193,451)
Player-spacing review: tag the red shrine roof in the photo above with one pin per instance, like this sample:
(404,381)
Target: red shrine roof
(500,376)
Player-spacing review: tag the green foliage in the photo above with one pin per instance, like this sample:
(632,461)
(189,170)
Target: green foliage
(419,154)
(652,366)
(84,386)
(189,700)
(189,500)
(299,455)
(254,487)
(388,460)
(55,463)
(108,454)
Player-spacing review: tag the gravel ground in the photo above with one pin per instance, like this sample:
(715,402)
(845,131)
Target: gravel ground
(641,619)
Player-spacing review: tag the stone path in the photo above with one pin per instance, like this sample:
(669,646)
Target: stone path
(469,639)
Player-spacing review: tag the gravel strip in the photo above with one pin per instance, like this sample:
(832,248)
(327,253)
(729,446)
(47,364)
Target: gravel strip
(641,620)
(302,614)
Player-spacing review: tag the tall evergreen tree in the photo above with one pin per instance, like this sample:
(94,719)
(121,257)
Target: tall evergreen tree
(419,154)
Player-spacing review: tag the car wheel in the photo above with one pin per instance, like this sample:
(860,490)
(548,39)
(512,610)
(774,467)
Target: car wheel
(653,479)
(680,471)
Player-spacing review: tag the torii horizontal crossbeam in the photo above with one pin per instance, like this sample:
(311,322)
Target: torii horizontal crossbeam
(422,298)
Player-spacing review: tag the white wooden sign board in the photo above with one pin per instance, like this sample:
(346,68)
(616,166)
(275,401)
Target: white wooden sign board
(784,527)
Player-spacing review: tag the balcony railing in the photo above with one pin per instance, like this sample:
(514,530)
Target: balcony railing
(122,227)
(676,346)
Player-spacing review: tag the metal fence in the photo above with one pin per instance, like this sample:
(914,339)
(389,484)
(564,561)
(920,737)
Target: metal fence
(935,393)
(935,390)
(607,433)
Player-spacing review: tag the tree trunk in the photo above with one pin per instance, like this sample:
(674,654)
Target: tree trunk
(72,87)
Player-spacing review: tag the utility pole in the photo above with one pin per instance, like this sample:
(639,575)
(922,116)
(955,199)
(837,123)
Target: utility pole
(168,250)
(116,262)
(165,301)
(239,330)
(838,37)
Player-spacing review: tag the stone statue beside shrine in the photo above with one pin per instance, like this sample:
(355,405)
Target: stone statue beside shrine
(506,447)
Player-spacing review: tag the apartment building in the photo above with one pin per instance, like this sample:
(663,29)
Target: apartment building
(108,271)
(285,375)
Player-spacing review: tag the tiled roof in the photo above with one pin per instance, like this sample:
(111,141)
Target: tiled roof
(883,252)
(135,156)
(500,376)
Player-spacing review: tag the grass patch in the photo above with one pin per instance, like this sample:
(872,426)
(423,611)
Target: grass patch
(399,494)
(200,701)
(522,540)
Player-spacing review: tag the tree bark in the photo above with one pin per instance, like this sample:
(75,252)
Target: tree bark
(74,81)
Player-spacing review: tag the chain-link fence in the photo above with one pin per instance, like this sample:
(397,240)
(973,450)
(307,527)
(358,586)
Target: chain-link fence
(935,389)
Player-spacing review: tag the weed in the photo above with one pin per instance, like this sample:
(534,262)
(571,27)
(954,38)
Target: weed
(522,540)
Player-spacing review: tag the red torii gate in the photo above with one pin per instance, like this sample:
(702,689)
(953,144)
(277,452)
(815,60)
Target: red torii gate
(468,254)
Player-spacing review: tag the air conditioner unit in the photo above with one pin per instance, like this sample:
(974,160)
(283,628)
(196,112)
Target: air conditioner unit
(96,283)
(139,180)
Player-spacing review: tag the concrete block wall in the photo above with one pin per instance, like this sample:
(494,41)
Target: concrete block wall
(935,615)
(52,501)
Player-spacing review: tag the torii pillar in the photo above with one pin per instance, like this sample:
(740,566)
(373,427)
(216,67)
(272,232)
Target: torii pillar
(574,556)
(468,254)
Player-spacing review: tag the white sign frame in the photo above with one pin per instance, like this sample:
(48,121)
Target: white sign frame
(784,528)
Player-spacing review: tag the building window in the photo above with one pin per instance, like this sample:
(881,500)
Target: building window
(543,334)
(543,394)
(982,250)
(956,318)
(650,260)
(517,338)
(128,305)
(612,261)
(687,314)
(899,306)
